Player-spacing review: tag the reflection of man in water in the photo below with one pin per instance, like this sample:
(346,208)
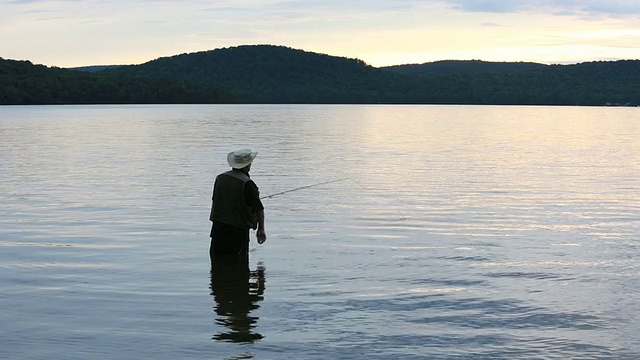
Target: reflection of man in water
(237,292)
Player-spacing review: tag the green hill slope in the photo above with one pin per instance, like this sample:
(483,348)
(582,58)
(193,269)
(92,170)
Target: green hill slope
(277,74)
(265,73)
(463,67)
(22,83)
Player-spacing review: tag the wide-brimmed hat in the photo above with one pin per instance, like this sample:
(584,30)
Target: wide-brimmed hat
(241,158)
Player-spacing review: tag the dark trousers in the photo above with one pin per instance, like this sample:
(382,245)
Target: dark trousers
(228,239)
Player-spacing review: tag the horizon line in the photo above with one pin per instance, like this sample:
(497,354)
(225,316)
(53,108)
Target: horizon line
(576,62)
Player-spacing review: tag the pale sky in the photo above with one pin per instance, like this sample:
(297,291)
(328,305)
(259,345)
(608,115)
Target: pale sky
(67,33)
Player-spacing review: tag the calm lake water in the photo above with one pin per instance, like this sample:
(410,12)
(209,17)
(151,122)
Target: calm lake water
(446,232)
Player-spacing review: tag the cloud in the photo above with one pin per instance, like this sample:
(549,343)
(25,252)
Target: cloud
(568,7)
(51,18)
(491,24)
(614,8)
(20,1)
(491,6)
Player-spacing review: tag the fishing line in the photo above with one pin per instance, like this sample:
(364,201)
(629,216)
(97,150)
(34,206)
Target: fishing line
(302,187)
(401,218)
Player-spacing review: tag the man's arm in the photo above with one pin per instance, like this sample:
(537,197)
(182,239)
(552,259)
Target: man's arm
(252,196)
(261,233)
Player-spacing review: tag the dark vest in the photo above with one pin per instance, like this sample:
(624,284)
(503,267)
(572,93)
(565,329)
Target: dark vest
(229,205)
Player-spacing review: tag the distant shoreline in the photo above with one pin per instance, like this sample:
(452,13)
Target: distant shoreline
(266,74)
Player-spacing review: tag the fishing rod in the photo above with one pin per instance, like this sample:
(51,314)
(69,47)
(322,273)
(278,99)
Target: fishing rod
(302,187)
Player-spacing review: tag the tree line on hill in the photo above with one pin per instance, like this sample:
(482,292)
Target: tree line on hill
(277,74)
(22,83)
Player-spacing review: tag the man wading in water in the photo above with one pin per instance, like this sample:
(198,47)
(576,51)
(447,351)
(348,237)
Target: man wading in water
(236,208)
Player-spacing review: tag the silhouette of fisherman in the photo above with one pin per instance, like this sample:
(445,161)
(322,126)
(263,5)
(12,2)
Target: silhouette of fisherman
(236,207)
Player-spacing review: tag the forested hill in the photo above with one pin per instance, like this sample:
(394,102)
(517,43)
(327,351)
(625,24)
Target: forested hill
(22,83)
(277,74)
(464,67)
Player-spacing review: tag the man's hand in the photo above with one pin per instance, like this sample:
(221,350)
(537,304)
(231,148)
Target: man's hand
(261,235)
